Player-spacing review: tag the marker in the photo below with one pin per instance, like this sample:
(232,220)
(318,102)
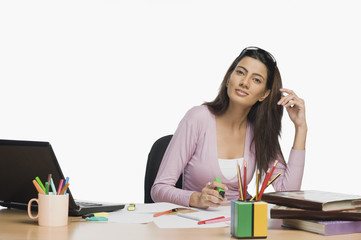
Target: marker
(40,183)
(52,186)
(99,214)
(46,188)
(220,190)
(64,189)
(165,212)
(66,181)
(38,188)
(49,178)
(96,219)
(60,186)
(212,219)
(218,220)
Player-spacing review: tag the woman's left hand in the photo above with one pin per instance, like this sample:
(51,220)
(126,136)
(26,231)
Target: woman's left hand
(295,107)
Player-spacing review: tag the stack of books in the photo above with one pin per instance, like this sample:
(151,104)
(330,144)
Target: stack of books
(326,213)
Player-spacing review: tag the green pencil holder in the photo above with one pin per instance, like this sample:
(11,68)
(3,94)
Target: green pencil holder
(248,219)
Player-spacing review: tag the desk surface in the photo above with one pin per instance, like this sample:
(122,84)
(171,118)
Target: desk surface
(15,224)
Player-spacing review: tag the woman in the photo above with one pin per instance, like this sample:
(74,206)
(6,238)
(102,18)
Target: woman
(243,123)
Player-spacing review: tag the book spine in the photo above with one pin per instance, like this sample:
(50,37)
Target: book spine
(343,227)
(296,203)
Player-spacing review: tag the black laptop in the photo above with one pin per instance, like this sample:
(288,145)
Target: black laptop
(21,162)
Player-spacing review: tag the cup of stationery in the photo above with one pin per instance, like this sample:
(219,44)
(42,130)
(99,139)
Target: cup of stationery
(52,210)
(248,219)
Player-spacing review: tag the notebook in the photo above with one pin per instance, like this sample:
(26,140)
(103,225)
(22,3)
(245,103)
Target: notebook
(326,228)
(21,162)
(314,200)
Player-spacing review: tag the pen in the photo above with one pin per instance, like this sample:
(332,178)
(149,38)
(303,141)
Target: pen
(212,219)
(189,216)
(38,188)
(64,189)
(40,183)
(165,212)
(60,186)
(220,190)
(218,220)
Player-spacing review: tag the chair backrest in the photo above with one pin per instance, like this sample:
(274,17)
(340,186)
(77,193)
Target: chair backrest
(155,157)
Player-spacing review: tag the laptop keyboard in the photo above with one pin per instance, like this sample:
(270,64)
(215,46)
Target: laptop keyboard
(87,204)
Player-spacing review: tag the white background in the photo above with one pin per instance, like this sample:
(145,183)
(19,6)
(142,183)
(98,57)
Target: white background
(102,80)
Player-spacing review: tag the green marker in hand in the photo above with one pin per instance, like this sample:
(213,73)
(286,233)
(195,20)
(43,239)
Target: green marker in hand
(220,190)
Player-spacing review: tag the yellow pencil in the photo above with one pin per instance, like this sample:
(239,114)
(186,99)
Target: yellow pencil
(270,182)
(239,181)
(257,182)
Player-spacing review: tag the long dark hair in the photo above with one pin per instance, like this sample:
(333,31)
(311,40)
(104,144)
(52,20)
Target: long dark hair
(265,116)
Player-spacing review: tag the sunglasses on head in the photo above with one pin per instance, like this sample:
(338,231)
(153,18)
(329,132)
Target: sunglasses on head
(261,50)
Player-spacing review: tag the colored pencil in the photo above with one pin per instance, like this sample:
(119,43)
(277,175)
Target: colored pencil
(240,192)
(273,179)
(263,184)
(257,184)
(245,180)
(273,168)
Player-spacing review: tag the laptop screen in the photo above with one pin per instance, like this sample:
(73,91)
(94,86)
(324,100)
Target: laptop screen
(20,163)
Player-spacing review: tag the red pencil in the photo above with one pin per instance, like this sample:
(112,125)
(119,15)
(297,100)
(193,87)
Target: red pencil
(273,168)
(264,184)
(245,181)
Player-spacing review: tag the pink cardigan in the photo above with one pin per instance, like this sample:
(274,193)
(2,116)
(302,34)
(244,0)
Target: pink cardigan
(193,152)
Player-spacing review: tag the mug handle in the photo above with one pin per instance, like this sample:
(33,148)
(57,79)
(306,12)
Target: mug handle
(29,208)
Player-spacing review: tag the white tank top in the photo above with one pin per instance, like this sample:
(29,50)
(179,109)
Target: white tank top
(229,166)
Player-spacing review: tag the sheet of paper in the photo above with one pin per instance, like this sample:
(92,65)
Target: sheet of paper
(130,217)
(143,213)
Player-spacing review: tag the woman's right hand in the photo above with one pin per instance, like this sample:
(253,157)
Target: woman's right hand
(209,197)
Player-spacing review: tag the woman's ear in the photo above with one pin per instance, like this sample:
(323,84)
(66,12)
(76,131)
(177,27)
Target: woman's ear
(265,95)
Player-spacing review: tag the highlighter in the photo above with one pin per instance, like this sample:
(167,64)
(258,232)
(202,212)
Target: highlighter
(220,190)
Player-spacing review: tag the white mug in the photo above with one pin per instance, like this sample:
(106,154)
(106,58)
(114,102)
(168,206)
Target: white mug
(52,210)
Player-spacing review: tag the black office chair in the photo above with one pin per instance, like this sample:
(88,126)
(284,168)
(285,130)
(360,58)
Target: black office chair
(155,157)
